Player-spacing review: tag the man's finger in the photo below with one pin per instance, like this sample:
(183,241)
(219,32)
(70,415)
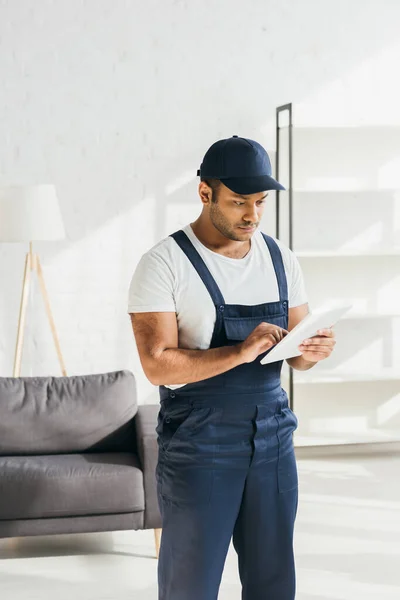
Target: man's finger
(315,348)
(326,332)
(274,335)
(317,355)
(319,341)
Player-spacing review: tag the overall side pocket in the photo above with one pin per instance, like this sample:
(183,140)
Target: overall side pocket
(170,423)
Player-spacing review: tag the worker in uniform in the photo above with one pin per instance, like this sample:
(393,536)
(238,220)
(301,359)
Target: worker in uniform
(206,304)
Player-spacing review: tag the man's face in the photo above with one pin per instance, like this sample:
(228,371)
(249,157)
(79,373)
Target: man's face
(235,216)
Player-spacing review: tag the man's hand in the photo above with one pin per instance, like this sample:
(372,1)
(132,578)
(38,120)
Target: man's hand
(319,346)
(261,339)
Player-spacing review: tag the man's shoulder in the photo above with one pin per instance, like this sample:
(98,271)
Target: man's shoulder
(165,251)
(288,255)
(163,248)
(281,245)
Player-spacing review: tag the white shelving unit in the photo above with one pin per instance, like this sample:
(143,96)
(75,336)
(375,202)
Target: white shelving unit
(346,235)
(328,376)
(370,315)
(347,253)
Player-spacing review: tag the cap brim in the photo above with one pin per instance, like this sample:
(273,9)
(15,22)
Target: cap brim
(252,185)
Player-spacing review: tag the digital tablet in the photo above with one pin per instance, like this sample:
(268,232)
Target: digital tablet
(308,327)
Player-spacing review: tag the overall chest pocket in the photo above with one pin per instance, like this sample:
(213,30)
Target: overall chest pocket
(239,328)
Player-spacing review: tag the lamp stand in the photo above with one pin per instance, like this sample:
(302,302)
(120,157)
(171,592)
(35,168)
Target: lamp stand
(32,263)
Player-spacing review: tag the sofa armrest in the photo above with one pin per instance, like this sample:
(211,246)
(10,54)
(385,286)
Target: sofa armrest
(147,447)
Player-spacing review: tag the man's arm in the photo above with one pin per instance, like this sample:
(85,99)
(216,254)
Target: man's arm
(316,348)
(297,314)
(156,336)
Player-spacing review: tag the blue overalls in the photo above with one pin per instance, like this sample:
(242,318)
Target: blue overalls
(226,463)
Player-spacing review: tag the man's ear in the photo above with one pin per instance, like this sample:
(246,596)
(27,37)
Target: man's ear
(205,193)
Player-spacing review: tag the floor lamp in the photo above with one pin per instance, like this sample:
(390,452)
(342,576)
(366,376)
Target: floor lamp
(28,214)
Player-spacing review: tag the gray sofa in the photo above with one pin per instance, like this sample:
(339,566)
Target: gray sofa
(77,454)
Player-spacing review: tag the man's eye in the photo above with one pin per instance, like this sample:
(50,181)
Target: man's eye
(239,203)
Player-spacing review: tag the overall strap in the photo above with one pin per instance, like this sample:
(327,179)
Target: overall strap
(187,247)
(277,261)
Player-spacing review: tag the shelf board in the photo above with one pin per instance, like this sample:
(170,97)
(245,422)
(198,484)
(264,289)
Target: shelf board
(352,191)
(308,377)
(346,253)
(369,315)
(349,136)
(339,438)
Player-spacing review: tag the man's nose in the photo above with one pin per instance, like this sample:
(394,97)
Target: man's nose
(251,215)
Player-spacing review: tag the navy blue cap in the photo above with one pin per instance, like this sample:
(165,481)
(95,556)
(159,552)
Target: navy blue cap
(241,164)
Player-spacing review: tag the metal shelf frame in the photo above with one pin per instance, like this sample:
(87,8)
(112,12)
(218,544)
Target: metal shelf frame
(283,109)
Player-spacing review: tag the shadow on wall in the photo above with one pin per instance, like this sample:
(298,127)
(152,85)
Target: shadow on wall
(132,103)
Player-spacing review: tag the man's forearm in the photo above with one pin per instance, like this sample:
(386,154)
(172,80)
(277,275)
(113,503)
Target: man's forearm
(175,366)
(298,363)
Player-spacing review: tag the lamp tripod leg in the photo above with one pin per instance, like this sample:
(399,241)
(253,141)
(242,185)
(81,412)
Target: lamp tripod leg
(22,315)
(50,315)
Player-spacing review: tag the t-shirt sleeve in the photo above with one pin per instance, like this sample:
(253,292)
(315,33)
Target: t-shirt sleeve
(152,286)
(294,274)
(297,289)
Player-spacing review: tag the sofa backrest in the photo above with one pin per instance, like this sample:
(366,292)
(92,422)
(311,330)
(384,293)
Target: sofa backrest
(59,415)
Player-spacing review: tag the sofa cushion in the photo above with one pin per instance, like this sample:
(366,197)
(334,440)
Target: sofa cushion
(46,415)
(70,485)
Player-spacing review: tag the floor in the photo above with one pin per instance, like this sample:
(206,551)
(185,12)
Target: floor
(347,545)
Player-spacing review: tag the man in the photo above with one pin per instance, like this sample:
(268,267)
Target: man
(206,304)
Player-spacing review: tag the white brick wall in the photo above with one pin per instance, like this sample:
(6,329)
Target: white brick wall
(115,102)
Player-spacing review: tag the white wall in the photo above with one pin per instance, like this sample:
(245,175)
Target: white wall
(115,102)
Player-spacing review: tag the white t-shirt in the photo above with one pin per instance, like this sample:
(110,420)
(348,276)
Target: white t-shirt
(166,281)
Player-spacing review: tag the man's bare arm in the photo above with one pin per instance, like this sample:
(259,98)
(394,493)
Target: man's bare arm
(156,336)
(296,315)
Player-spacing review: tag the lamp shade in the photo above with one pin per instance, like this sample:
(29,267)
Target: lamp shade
(30,213)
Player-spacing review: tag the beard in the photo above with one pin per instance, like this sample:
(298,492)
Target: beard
(228,230)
